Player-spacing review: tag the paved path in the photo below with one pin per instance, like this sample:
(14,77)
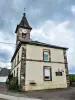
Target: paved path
(8,97)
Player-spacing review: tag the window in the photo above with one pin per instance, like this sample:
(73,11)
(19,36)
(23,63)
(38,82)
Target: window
(47,73)
(14,73)
(46,56)
(17,72)
(23,35)
(18,58)
(15,61)
(12,65)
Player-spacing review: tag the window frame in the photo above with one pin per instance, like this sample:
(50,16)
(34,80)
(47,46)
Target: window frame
(15,61)
(14,73)
(50,69)
(49,55)
(17,72)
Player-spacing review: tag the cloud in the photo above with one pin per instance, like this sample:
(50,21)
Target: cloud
(5,64)
(57,34)
(53,22)
(6,50)
(73,9)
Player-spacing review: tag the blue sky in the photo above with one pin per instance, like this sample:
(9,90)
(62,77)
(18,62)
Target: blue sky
(53,22)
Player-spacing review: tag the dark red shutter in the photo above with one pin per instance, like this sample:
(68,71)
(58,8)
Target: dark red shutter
(51,73)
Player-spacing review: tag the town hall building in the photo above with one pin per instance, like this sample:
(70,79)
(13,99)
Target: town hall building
(38,65)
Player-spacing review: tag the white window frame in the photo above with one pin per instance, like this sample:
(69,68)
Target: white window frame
(47,73)
(46,52)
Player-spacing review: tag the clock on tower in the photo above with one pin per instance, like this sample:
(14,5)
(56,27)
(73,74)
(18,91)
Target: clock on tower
(23,30)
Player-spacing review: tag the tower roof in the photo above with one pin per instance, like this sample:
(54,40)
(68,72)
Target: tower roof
(24,23)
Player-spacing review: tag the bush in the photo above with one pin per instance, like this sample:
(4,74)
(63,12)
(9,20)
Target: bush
(72,77)
(10,77)
(12,83)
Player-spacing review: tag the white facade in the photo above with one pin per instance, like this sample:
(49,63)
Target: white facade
(17,64)
(34,69)
(34,65)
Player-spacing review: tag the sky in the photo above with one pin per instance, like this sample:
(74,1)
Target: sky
(53,22)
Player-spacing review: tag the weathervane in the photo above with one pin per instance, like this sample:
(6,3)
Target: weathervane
(24,9)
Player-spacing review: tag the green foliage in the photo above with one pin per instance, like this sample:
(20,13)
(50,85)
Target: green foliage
(10,77)
(72,77)
(12,83)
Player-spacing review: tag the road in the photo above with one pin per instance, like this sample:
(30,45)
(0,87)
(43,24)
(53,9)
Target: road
(56,94)
(8,97)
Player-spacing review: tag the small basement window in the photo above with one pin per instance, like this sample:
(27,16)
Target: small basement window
(32,83)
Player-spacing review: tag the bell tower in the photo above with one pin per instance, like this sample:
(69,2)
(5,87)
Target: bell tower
(23,30)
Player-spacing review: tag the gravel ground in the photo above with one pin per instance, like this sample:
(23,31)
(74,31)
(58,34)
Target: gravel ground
(56,94)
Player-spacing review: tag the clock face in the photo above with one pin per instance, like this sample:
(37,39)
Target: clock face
(24,30)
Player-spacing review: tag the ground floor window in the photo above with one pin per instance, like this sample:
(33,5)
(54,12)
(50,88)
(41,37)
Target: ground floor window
(14,73)
(17,72)
(47,73)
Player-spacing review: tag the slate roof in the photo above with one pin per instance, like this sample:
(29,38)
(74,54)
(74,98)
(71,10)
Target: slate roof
(4,72)
(41,44)
(24,23)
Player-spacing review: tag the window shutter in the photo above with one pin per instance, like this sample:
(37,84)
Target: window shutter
(43,55)
(49,55)
(51,73)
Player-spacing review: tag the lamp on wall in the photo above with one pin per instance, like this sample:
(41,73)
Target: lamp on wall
(62,70)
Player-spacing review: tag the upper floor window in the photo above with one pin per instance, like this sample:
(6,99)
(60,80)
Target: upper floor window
(15,62)
(12,65)
(46,55)
(18,57)
(23,35)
